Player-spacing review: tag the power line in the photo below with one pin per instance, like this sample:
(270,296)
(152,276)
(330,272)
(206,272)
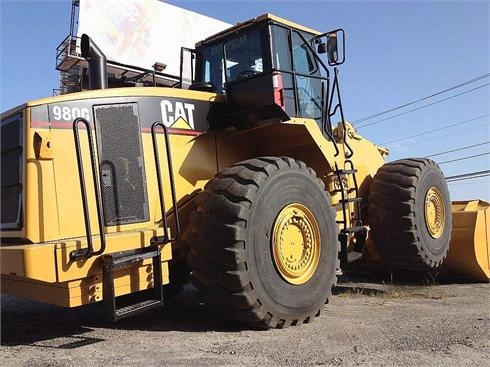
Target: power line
(457,150)
(438,129)
(422,99)
(442,136)
(457,183)
(424,106)
(463,158)
(468,176)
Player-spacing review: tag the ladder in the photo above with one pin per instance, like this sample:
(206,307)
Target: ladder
(126,259)
(346,228)
(118,261)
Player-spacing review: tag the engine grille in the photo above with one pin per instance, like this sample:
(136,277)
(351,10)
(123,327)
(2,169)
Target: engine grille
(11,172)
(123,180)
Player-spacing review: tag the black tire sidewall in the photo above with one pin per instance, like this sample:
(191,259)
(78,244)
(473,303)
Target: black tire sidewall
(285,187)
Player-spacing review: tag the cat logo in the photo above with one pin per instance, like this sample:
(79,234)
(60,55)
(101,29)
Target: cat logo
(177,115)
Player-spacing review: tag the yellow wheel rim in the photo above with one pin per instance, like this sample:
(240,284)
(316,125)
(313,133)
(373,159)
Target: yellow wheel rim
(435,214)
(296,243)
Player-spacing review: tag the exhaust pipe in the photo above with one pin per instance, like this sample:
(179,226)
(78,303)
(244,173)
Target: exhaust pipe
(97,63)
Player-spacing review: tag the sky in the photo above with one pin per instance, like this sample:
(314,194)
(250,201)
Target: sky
(396,52)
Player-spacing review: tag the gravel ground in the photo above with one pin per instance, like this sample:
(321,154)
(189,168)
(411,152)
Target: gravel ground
(364,324)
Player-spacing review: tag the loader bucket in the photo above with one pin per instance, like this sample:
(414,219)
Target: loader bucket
(469,252)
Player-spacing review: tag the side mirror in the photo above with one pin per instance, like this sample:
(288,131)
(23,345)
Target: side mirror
(335,38)
(332,49)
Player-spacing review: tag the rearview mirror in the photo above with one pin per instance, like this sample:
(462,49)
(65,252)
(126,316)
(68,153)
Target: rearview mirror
(332,49)
(336,55)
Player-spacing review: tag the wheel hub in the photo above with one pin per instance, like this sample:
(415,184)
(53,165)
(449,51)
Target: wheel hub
(296,243)
(435,214)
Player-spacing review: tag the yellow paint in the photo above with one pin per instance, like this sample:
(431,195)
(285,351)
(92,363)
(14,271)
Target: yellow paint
(181,124)
(290,23)
(128,92)
(53,215)
(52,185)
(434,212)
(82,291)
(52,207)
(50,262)
(296,243)
(69,270)
(469,250)
(302,139)
(43,145)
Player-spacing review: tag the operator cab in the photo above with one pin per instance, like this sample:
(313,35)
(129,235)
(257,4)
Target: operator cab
(269,68)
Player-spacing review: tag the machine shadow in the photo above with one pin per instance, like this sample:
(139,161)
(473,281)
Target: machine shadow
(26,322)
(377,274)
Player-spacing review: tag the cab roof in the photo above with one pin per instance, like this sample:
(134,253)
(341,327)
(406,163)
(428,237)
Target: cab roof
(256,20)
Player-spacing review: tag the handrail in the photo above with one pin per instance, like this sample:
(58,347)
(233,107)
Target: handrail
(356,190)
(329,100)
(88,252)
(166,238)
(326,118)
(335,88)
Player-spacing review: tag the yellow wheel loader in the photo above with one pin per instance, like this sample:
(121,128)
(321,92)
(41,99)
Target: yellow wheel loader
(239,182)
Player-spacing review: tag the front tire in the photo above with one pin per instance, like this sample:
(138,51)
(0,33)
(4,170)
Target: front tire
(410,214)
(264,243)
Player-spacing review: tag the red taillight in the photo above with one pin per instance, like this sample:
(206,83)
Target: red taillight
(278,89)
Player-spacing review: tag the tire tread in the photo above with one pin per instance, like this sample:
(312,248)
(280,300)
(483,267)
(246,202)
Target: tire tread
(216,239)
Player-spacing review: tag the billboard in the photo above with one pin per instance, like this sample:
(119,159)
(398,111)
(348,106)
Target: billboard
(142,32)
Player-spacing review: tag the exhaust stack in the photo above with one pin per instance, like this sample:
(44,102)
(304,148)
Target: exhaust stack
(97,63)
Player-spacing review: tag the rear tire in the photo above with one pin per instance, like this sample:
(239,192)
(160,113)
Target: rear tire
(232,247)
(410,214)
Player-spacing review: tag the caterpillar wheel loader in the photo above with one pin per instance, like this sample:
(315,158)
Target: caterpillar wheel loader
(239,181)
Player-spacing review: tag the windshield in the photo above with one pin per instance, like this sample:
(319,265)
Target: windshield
(246,56)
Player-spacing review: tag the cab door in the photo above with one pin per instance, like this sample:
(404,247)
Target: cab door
(293,58)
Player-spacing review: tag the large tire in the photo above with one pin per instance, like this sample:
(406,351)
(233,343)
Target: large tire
(230,237)
(410,214)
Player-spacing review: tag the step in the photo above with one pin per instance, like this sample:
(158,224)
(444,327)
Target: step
(345,171)
(350,200)
(136,308)
(354,229)
(124,259)
(353,256)
(115,261)
(349,190)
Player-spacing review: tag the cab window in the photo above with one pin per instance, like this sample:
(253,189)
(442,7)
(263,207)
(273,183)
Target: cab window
(280,48)
(246,55)
(212,65)
(304,60)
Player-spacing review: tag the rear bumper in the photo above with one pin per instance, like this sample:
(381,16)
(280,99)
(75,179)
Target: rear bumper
(37,262)
(45,272)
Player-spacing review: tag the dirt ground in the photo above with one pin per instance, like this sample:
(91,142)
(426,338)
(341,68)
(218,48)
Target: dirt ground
(364,324)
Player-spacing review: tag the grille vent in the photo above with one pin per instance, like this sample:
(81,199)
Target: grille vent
(123,180)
